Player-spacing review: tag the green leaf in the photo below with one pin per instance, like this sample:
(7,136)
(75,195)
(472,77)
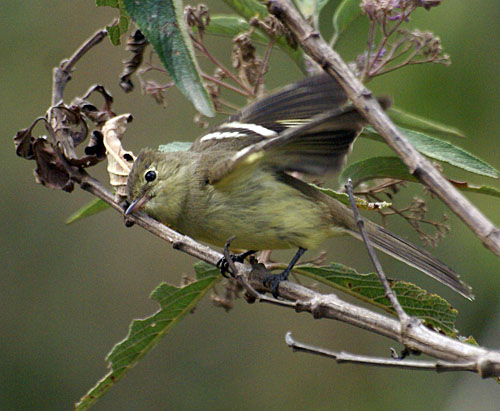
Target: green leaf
(114,34)
(360,202)
(307,8)
(116,30)
(487,190)
(248,8)
(417,123)
(311,8)
(175,146)
(376,167)
(435,311)
(162,23)
(442,151)
(89,209)
(345,14)
(175,303)
(320,4)
(111,3)
(393,167)
(230,26)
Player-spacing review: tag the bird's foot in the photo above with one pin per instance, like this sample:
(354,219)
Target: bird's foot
(273,281)
(223,264)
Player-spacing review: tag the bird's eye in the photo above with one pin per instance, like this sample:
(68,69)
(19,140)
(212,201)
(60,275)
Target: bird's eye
(150,176)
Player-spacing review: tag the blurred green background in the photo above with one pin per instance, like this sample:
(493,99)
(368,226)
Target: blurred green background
(69,293)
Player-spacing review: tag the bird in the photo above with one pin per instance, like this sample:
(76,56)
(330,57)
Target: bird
(238,180)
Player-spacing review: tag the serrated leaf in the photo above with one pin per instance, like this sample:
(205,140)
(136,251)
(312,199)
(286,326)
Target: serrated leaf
(175,303)
(162,23)
(88,210)
(435,311)
(442,151)
(424,125)
(360,202)
(347,12)
(175,146)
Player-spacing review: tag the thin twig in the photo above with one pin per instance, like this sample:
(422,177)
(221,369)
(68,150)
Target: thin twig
(62,74)
(389,293)
(344,357)
(371,38)
(223,84)
(227,72)
(265,62)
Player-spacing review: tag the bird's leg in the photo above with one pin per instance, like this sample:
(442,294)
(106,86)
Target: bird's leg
(223,265)
(273,281)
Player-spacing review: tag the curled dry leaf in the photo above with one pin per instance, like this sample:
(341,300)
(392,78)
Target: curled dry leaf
(67,128)
(50,170)
(136,44)
(120,161)
(23,140)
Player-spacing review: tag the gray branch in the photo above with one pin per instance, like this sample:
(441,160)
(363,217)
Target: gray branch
(344,357)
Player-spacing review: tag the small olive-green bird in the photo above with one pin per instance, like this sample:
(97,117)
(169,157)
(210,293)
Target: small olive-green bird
(235,181)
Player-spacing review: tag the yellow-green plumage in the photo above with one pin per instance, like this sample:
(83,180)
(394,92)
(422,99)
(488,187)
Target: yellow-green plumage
(262,210)
(235,180)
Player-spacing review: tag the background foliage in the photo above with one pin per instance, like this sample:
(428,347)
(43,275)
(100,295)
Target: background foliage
(68,293)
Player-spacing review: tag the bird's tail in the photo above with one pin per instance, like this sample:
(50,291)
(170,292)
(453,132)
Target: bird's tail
(410,254)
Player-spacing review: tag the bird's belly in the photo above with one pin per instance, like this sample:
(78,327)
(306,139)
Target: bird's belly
(269,215)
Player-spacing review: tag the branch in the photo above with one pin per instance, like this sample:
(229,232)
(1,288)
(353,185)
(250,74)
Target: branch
(413,335)
(389,293)
(62,74)
(314,45)
(343,357)
(302,299)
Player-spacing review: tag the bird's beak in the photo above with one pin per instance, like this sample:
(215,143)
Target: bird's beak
(137,204)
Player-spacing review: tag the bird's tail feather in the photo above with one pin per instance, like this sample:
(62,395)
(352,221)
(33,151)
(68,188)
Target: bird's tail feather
(414,256)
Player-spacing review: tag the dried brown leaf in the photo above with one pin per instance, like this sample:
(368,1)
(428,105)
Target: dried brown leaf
(50,170)
(89,110)
(120,161)
(96,145)
(136,44)
(23,140)
(71,121)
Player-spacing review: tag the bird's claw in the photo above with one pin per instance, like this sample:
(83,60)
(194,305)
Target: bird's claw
(273,281)
(223,264)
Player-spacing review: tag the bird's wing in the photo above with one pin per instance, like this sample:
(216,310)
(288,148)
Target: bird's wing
(306,127)
(266,118)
